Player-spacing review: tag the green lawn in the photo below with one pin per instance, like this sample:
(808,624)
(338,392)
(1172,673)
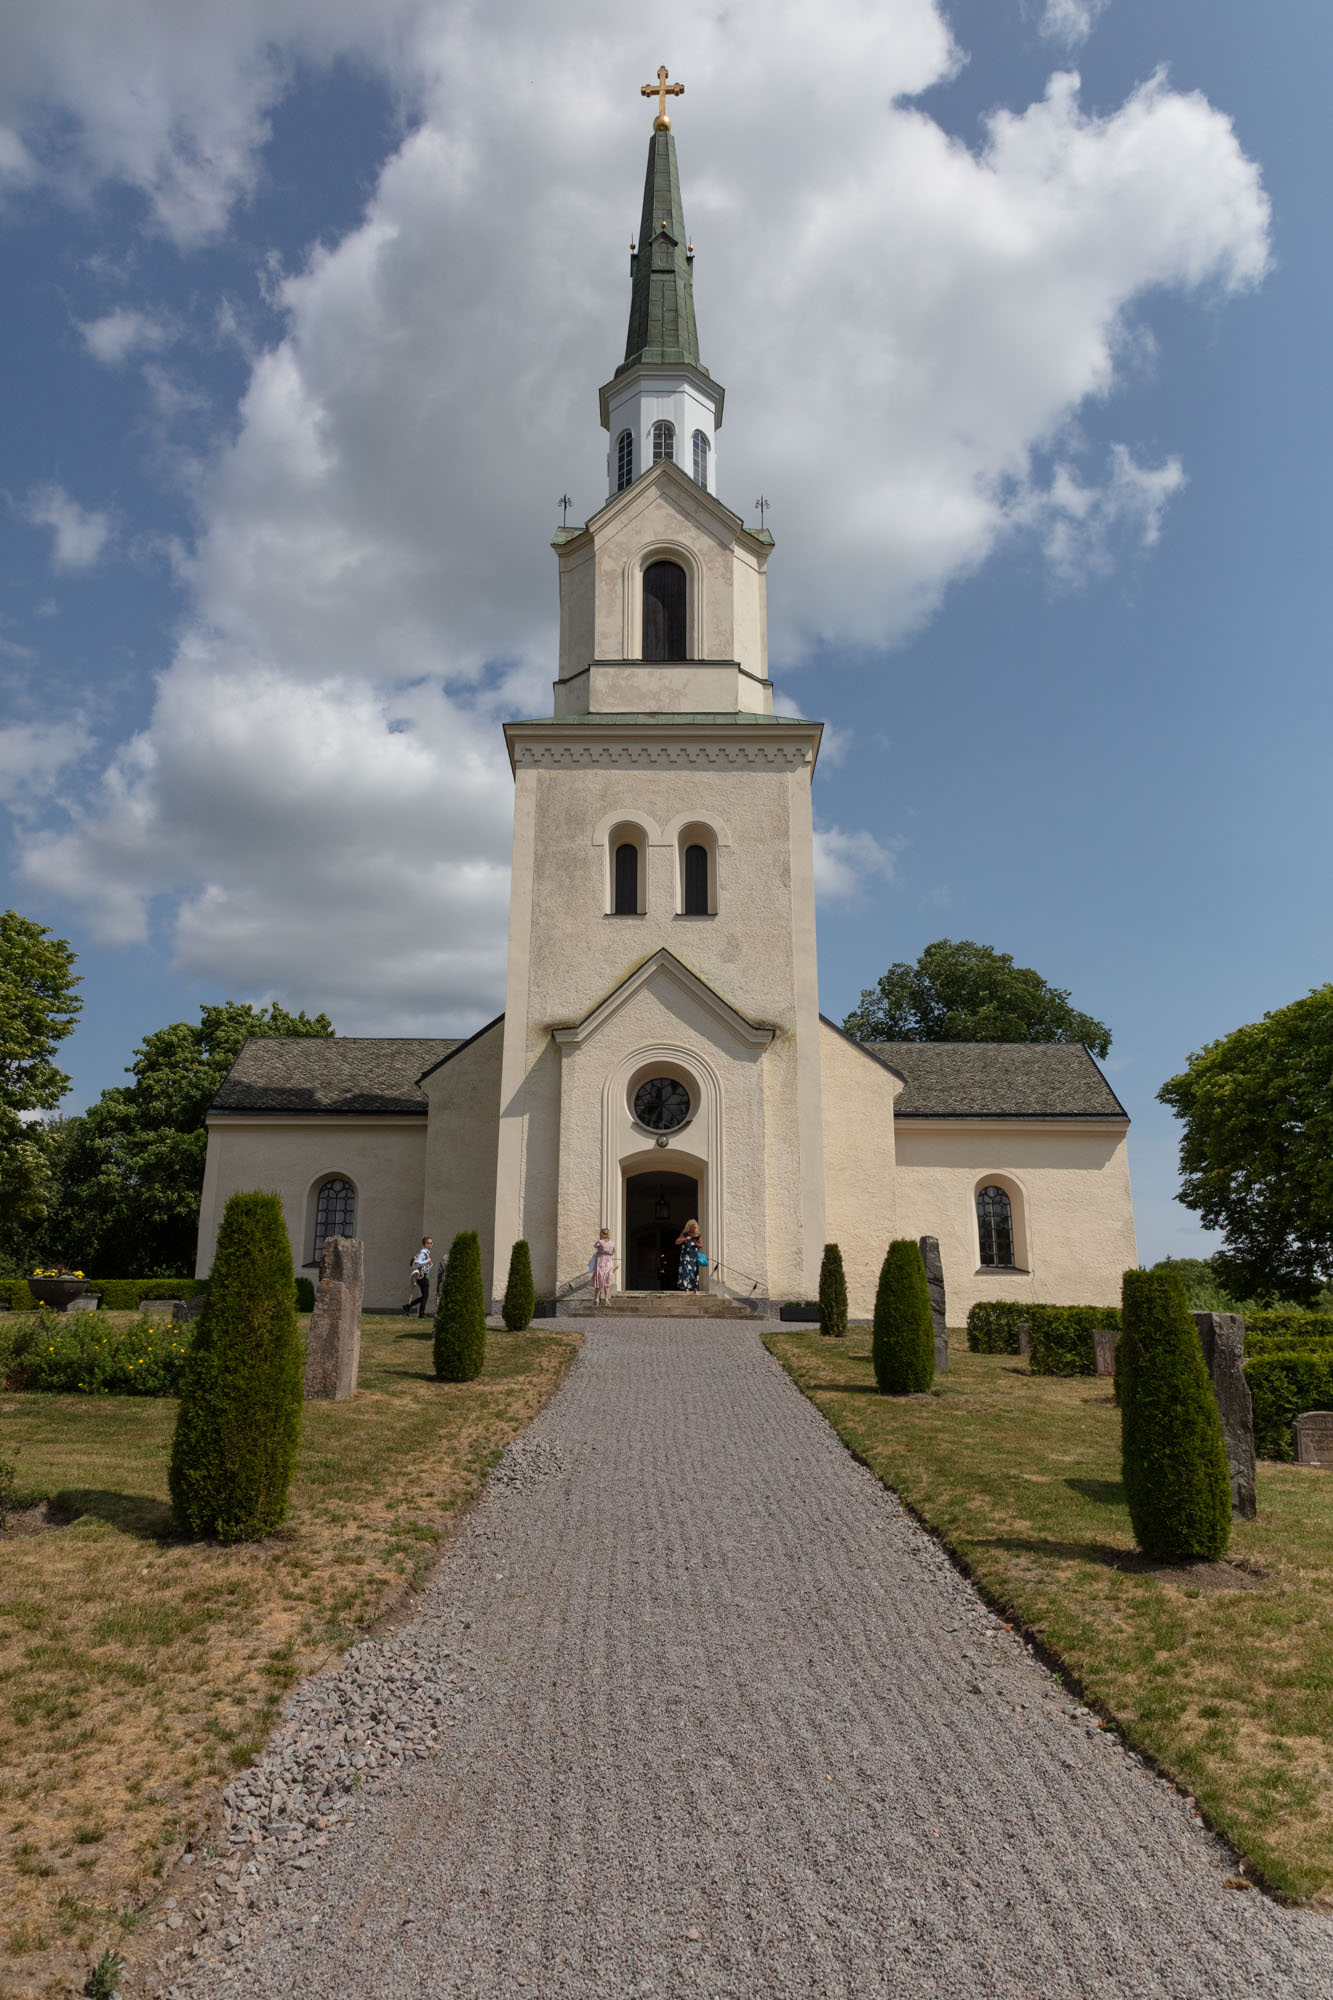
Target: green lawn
(1229,1690)
(138,1671)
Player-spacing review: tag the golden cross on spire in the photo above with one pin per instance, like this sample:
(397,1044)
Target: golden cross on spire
(661,90)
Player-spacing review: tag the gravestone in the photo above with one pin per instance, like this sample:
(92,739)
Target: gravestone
(333,1345)
(184,1311)
(1222,1337)
(1025,1339)
(1104,1340)
(930,1257)
(1312,1436)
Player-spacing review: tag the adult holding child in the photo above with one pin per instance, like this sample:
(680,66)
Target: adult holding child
(603,1267)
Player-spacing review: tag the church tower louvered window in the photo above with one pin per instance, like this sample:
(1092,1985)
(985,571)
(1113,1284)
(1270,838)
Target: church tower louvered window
(700,460)
(624,460)
(664,440)
(664,611)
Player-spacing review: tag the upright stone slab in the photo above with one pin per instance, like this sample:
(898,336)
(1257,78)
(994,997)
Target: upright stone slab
(333,1347)
(930,1257)
(1024,1339)
(1312,1437)
(1222,1337)
(185,1311)
(1104,1340)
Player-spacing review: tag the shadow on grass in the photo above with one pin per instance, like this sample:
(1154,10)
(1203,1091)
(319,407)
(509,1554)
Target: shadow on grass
(130,1513)
(1102,1492)
(1202,1575)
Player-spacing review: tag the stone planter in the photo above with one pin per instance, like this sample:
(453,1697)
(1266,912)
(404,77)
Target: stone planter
(57,1292)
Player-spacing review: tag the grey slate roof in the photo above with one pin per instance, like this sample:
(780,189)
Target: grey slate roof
(347,1074)
(998,1080)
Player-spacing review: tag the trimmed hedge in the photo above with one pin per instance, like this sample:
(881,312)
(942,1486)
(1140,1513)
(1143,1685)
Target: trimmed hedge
(832,1294)
(520,1299)
(460,1316)
(305,1295)
(1061,1337)
(903,1344)
(15,1293)
(128,1294)
(1281,1386)
(992,1326)
(1305,1326)
(1175,1464)
(239,1421)
(805,1312)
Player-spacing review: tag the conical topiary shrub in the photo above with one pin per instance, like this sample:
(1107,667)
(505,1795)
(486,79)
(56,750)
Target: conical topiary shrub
(832,1294)
(904,1342)
(1174,1460)
(460,1316)
(239,1420)
(520,1298)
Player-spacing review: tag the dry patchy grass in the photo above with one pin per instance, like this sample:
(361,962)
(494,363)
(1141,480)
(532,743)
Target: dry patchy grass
(1231,1691)
(138,1671)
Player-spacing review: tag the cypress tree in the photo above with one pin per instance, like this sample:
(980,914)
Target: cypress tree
(520,1298)
(1174,1460)
(460,1316)
(832,1294)
(239,1420)
(904,1340)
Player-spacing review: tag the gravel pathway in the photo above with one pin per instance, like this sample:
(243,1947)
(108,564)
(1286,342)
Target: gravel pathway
(693,1707)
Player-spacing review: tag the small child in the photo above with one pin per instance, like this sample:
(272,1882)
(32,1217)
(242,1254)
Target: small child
(602,1267)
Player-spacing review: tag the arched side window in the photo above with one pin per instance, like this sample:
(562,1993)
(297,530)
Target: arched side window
(664,440)
(624,460)
(627,880)
(627,870)
(995,1228)
(700,459)
(696,880)
(664,611)
(335,1212)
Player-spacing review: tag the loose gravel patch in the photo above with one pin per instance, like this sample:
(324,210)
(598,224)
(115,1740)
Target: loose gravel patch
(693,1706)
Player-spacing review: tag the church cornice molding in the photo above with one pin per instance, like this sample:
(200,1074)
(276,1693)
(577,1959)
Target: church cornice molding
(665,965)
(676,742)
(686,493)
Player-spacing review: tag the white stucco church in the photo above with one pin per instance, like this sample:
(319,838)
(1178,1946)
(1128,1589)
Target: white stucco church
(661,1054)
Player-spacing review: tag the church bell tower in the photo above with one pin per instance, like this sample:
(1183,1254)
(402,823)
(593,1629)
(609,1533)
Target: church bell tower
(661,1055)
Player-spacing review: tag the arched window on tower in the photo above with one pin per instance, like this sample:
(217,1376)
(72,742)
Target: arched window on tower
(995,1227)
(664,611)
(664,440)
(696,880)
(626,898)
(624,460)
(700,460)
(335,1212)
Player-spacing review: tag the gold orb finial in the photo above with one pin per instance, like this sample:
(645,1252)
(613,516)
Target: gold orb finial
(661,90)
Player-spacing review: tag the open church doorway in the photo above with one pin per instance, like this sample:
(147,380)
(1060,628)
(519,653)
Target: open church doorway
(657,1207)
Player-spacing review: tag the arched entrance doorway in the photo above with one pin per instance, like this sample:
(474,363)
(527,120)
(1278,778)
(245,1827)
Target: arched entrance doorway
(657,1207)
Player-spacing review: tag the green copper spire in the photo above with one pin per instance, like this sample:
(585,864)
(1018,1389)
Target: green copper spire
(661,309)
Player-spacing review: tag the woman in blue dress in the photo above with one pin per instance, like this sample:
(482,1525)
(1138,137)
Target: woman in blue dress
(689,1243)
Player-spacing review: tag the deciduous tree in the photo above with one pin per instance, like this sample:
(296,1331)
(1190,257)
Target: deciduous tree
(964,992)
(38,1008)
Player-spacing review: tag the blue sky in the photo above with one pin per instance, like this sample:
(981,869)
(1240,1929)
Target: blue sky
(308,317)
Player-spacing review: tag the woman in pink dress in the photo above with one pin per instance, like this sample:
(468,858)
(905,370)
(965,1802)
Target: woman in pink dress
(603,1265)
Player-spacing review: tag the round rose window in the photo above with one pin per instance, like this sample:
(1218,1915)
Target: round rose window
(661,1104)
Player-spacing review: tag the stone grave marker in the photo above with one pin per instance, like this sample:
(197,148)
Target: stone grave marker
(1312,1435)
(1104,1340)
(1024,1339)
(1222,1337)
(183,1311)
(930,1257)
(333,1345)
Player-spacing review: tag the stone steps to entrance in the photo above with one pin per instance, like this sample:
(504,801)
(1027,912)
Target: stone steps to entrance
(660,1305)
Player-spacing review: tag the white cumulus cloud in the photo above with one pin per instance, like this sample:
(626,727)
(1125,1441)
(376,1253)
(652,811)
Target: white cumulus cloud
(1070,22)
(118,335)
(844,862)
(907,329)
(80,534)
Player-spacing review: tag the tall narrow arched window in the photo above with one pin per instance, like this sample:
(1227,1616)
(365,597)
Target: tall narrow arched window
(700,459)
(335,1212)
(664,611)
(664,440)
(995,1226)
(625,898)
(696,881)
(624,460)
